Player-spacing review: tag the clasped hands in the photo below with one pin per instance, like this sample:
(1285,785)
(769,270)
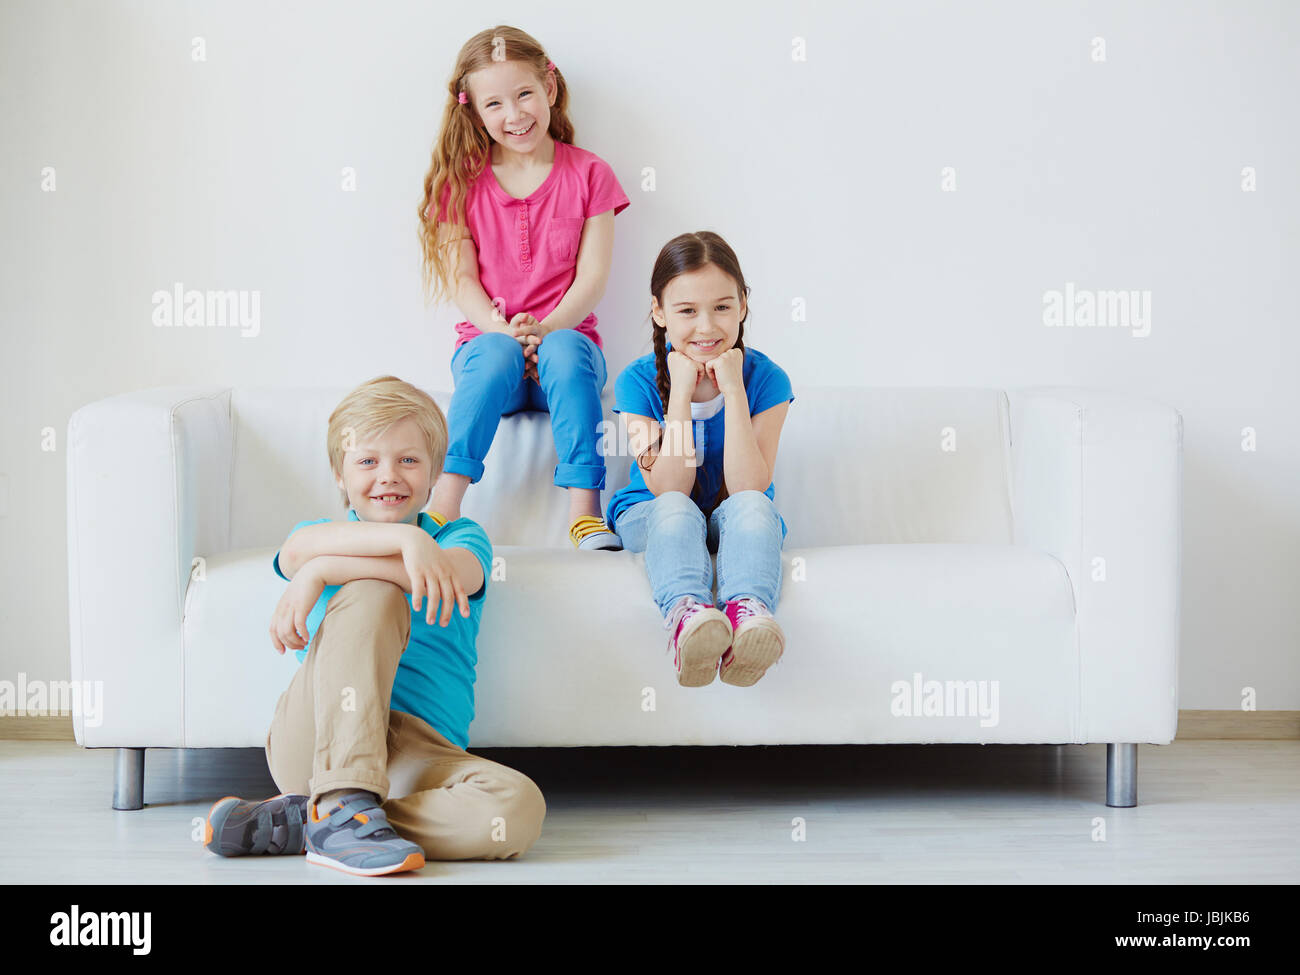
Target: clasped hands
(528,332)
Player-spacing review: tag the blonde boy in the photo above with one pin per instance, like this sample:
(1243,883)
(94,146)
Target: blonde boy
(382,609)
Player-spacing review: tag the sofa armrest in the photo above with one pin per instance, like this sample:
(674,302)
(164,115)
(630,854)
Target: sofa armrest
(148,488)
(1097,482)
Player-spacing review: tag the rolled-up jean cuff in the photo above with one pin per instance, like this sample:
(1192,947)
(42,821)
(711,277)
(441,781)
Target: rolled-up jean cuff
(376,782)
(580,476)
(464,466)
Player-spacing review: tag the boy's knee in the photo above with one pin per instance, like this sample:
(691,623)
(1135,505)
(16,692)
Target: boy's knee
(523,814)
(376,598)
(520,814)
(512,817)
(380,594)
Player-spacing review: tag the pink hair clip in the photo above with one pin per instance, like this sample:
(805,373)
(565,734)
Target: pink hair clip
(550,65)
(462,98)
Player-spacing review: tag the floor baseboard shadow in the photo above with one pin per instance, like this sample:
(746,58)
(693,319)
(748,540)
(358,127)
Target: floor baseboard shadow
(1222,725)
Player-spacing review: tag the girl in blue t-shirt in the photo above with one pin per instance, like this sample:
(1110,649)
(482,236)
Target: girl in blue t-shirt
(704,417)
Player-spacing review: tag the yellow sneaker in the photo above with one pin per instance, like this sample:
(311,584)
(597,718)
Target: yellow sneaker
(591,532)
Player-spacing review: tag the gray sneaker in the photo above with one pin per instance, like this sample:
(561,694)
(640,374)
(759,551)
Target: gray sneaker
(240,827)
(355,837)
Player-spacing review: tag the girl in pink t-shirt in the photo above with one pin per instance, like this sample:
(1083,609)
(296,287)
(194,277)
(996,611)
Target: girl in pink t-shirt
(520,239)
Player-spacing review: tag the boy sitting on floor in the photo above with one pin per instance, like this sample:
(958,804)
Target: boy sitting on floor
(368,741)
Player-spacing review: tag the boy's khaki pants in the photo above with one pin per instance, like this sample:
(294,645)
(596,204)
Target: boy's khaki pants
(333,730)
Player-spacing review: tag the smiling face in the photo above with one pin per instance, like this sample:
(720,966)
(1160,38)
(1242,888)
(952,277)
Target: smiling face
(702,311)
(397,462)
(510,99)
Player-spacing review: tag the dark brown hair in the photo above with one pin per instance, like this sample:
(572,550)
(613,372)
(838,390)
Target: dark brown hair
(682,255)
(463,146)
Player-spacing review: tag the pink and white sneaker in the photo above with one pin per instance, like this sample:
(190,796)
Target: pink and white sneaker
(700,635)
(757,642)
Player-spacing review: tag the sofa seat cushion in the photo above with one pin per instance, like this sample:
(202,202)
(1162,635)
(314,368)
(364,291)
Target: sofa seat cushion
(573,652)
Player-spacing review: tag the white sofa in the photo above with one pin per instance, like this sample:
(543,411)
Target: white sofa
(1027,539)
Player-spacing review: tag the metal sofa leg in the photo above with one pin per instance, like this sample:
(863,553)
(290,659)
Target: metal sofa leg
(1121,775)
(128,779)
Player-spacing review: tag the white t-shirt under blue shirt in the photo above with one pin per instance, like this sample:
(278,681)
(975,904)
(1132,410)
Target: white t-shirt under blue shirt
(635,391)
(435,677)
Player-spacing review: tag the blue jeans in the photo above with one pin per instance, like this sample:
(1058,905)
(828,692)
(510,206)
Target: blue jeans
(745,531)
(489,374)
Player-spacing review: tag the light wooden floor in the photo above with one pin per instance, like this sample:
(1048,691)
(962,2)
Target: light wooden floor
(1210,812)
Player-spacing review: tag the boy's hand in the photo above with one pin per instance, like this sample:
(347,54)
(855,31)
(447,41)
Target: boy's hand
(727,370)
(289,621)
(432,576)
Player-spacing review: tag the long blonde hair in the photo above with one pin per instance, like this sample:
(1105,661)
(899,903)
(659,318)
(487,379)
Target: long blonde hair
(463,146)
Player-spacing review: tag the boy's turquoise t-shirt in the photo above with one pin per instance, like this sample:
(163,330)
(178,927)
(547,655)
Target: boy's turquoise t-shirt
(435,678)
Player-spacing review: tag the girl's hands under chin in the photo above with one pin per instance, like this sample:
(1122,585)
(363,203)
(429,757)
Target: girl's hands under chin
(683,371)
(727,371)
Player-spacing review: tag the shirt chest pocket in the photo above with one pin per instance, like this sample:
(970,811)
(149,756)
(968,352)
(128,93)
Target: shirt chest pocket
(562,238)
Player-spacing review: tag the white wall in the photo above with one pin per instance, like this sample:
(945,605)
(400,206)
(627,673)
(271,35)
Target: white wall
(823,174)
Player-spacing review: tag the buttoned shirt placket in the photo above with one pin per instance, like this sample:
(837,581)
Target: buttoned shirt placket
(525,246)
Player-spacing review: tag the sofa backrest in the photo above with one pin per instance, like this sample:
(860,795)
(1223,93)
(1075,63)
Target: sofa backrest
(855,466)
